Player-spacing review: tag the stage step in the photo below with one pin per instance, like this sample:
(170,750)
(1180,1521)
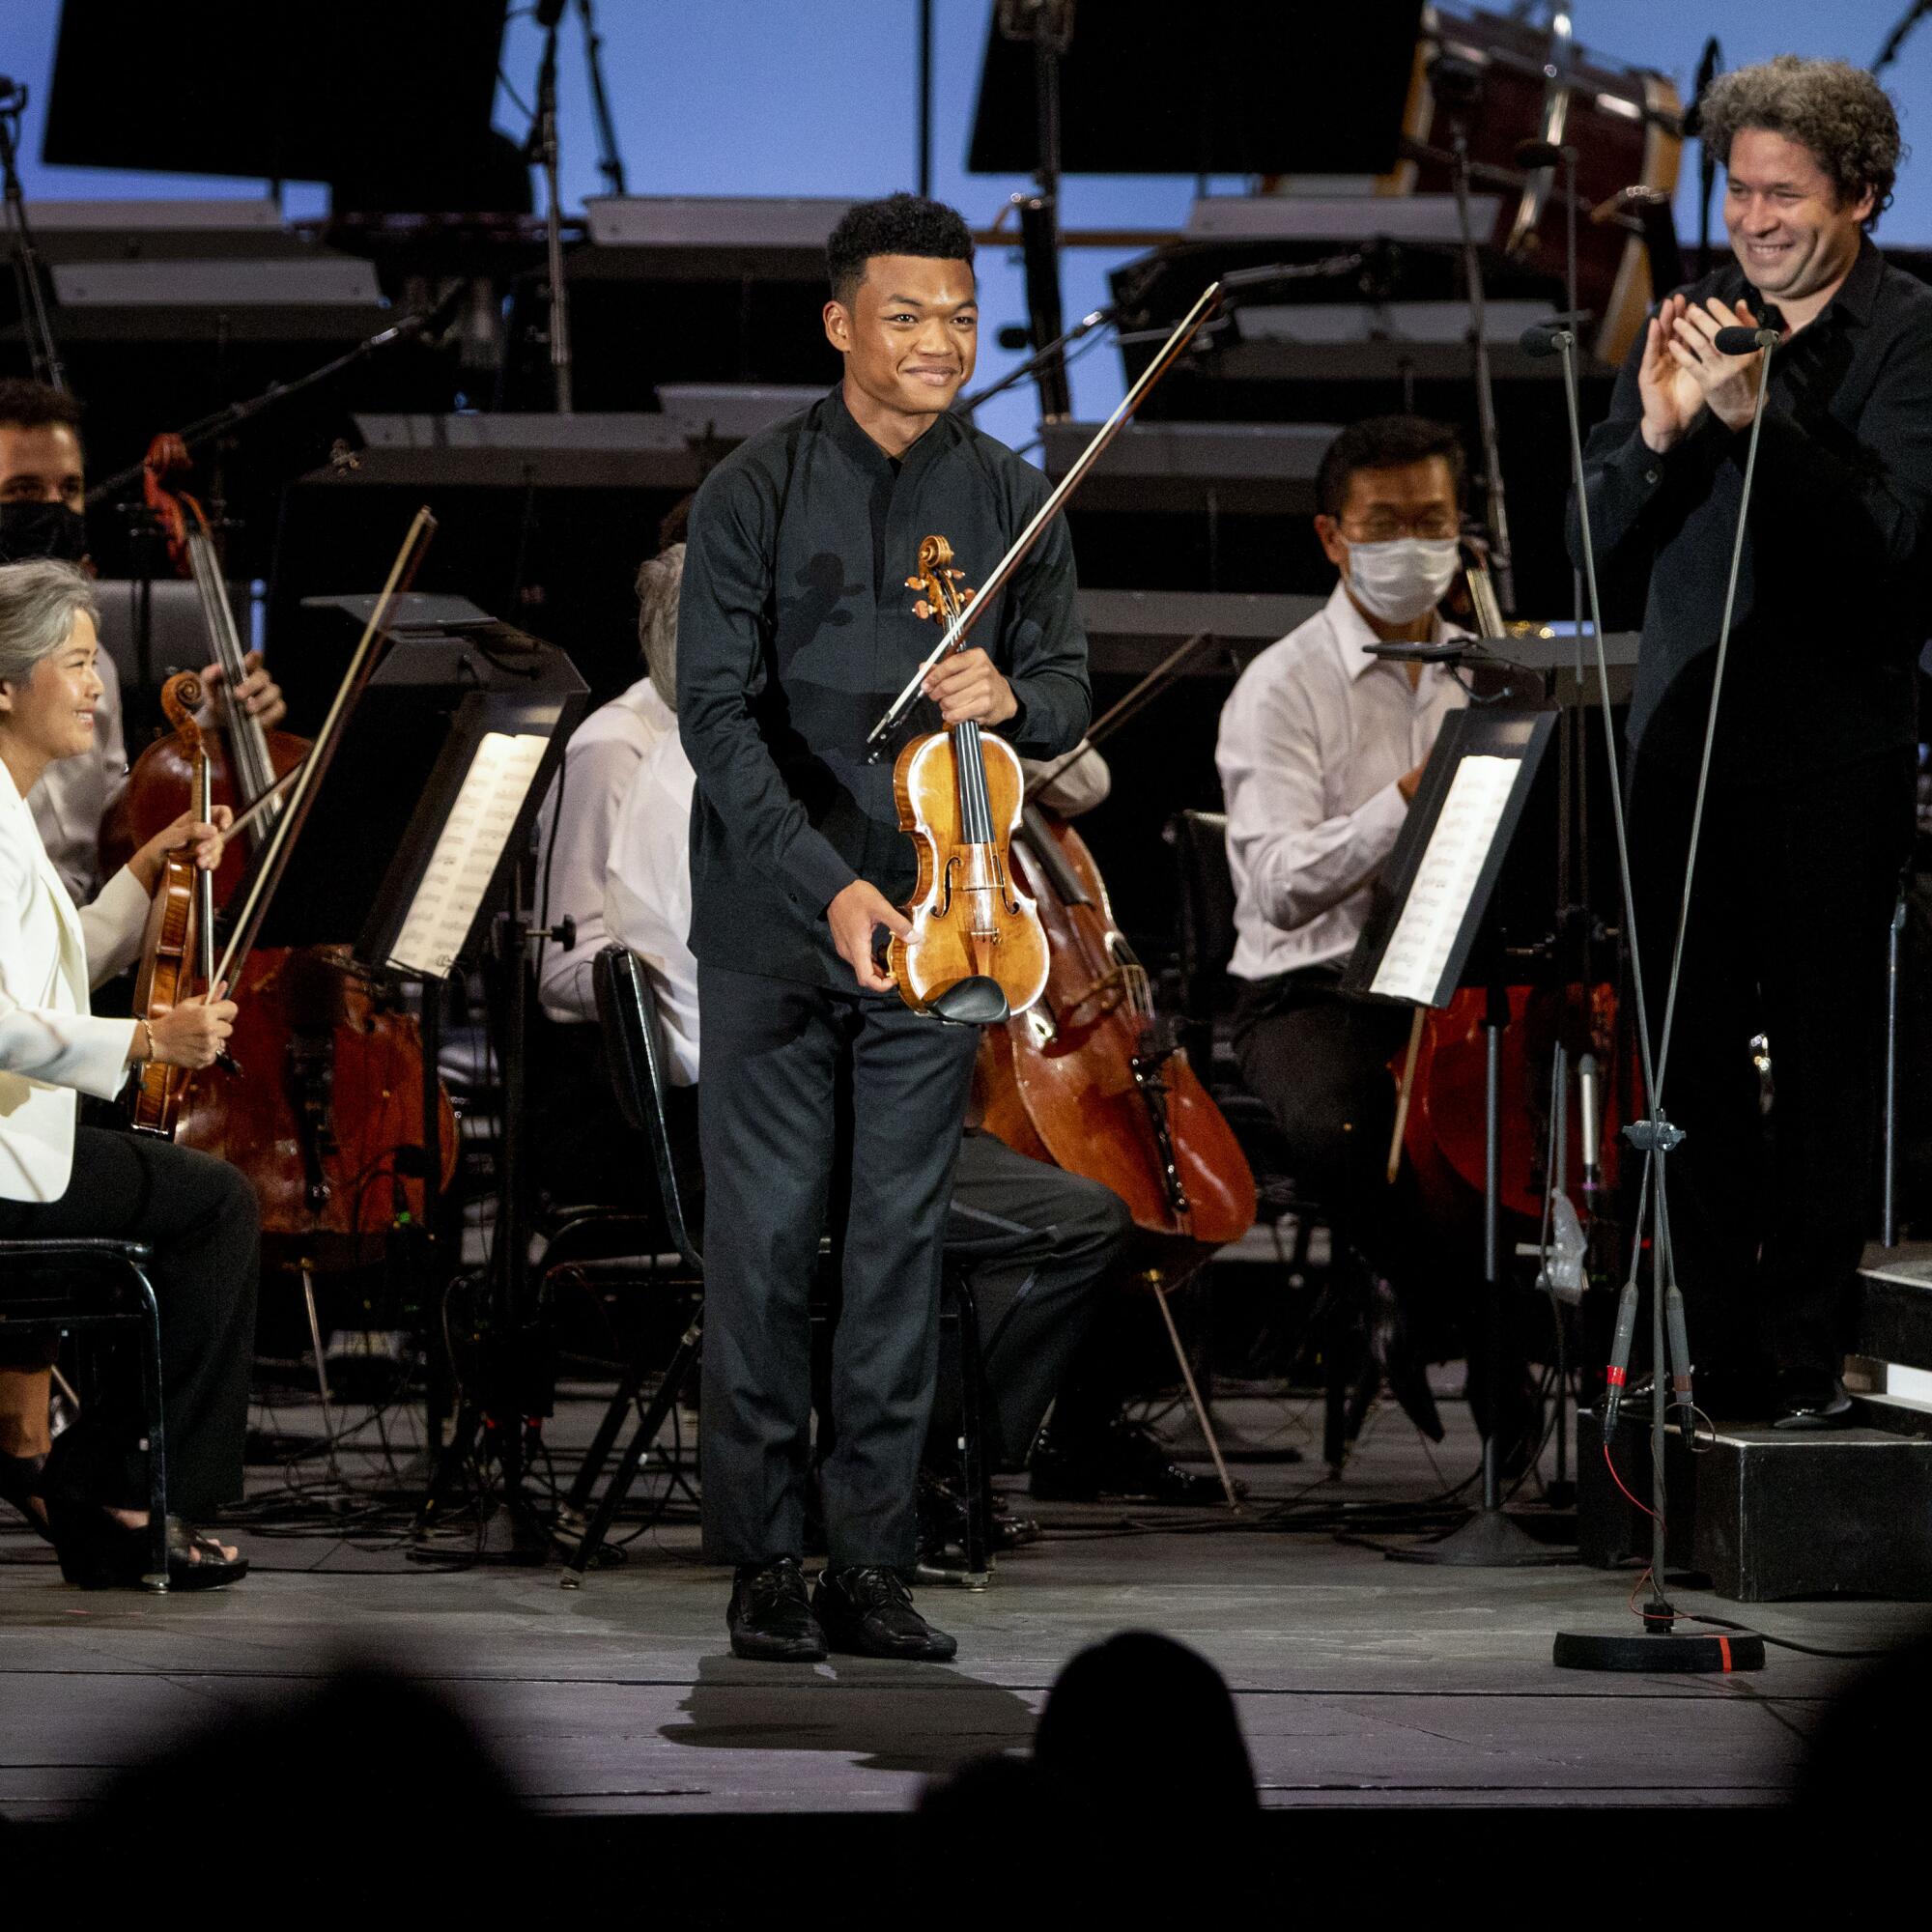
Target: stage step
(1769,1514)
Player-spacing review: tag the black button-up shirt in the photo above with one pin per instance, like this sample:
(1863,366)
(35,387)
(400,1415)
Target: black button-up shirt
(1833,596)
(796,631)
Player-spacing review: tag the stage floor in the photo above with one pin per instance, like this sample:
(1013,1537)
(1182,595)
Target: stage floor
(1360,1681)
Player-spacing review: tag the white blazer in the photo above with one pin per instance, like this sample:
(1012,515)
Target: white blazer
(51,1047)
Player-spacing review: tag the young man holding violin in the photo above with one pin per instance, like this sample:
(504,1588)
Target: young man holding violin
(829,1105)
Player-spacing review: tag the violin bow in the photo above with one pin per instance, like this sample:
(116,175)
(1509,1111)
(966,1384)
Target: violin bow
(1171,351)
(281,841)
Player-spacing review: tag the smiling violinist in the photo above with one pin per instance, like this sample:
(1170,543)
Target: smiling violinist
(827,1101)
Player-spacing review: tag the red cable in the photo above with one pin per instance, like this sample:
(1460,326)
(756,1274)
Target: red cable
(1610,1463)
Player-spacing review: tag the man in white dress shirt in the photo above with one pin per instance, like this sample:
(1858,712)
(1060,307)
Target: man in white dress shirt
(1321,747)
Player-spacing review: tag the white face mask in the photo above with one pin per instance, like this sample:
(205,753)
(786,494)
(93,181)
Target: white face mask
(1402,579)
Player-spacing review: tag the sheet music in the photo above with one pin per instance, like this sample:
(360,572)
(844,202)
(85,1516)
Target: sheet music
(1418,950)
(467,852)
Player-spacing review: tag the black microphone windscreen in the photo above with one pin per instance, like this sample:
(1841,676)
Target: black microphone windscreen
(1543,338)
(1743,341)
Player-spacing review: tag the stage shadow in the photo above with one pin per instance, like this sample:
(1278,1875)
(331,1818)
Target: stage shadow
(891,1717)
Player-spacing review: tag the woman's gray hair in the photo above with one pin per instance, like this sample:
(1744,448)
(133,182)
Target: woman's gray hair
(657,581)
(38,602)
(1836,110)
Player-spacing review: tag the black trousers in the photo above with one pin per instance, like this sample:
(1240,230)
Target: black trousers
(1792,903)
(1036,1243)
(200,1215)
(820,1110)
(1321,1062)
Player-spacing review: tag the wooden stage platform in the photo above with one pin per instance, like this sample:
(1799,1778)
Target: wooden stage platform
(1360,1683)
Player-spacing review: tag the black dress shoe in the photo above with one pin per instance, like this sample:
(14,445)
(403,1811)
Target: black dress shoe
(770,1618)
(1810,1399)
(1126,1461)
(869,1612)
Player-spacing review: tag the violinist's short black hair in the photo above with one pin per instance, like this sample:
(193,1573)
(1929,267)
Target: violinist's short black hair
(30,405)
(1384,442)
(903,224)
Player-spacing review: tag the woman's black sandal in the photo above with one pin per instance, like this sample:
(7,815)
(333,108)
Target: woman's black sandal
(20,1478)
(98,1552)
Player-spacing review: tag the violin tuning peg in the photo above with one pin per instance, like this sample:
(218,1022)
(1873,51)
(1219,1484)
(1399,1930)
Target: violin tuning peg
(921,609)
(914,583)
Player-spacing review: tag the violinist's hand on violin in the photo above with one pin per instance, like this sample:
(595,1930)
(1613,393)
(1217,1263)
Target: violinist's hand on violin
(186,829)
(258,693)
(195,1033)
(854,916)
(967,685)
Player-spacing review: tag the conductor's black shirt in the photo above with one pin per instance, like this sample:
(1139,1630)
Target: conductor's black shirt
(796,631)
(1833,604)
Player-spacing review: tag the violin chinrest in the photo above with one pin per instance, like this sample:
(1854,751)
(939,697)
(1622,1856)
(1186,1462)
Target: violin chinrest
(974,1001)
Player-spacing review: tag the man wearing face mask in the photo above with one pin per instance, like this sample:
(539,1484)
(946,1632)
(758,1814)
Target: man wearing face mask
(42,487)
(1320,750)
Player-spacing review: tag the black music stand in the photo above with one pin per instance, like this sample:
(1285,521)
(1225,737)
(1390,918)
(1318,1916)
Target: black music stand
(1432,927)
(415,843)
(1243,87)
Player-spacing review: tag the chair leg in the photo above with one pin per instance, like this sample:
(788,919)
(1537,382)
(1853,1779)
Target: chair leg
(599,1453)
(157,1576)
(634,1451)
(1201,1414)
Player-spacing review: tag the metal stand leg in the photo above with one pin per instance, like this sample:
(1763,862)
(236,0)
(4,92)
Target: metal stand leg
(1201,1414)
(321,1363)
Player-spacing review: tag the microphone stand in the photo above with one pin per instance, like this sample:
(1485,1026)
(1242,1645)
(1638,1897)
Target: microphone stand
(542,148)
(1500,554)
(610,159)
(35,321)
(1655,1136)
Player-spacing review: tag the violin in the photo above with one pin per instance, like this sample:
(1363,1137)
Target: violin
(1093,1077)
(178,942)
(976,952)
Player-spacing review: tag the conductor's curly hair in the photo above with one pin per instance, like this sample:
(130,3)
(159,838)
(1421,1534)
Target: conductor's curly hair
(1836,110)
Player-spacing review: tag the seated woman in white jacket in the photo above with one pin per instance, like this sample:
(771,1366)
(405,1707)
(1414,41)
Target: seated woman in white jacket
(58,1178)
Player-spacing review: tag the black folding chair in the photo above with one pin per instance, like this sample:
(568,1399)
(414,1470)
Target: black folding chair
(89,1280)
(633,1049)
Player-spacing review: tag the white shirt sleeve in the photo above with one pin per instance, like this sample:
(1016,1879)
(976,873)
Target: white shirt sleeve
(648,895)
(42,1042)
(1297,857)
(1084,784)
(593,781)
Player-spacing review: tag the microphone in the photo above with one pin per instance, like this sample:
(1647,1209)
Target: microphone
(1744,341)
(1555,334)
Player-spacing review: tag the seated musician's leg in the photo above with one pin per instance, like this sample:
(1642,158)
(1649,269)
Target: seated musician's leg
(1036,1243)
(200,1215)
(26,1438)
(1321,1064)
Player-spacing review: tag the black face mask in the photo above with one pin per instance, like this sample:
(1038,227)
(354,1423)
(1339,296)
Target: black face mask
(30,531)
